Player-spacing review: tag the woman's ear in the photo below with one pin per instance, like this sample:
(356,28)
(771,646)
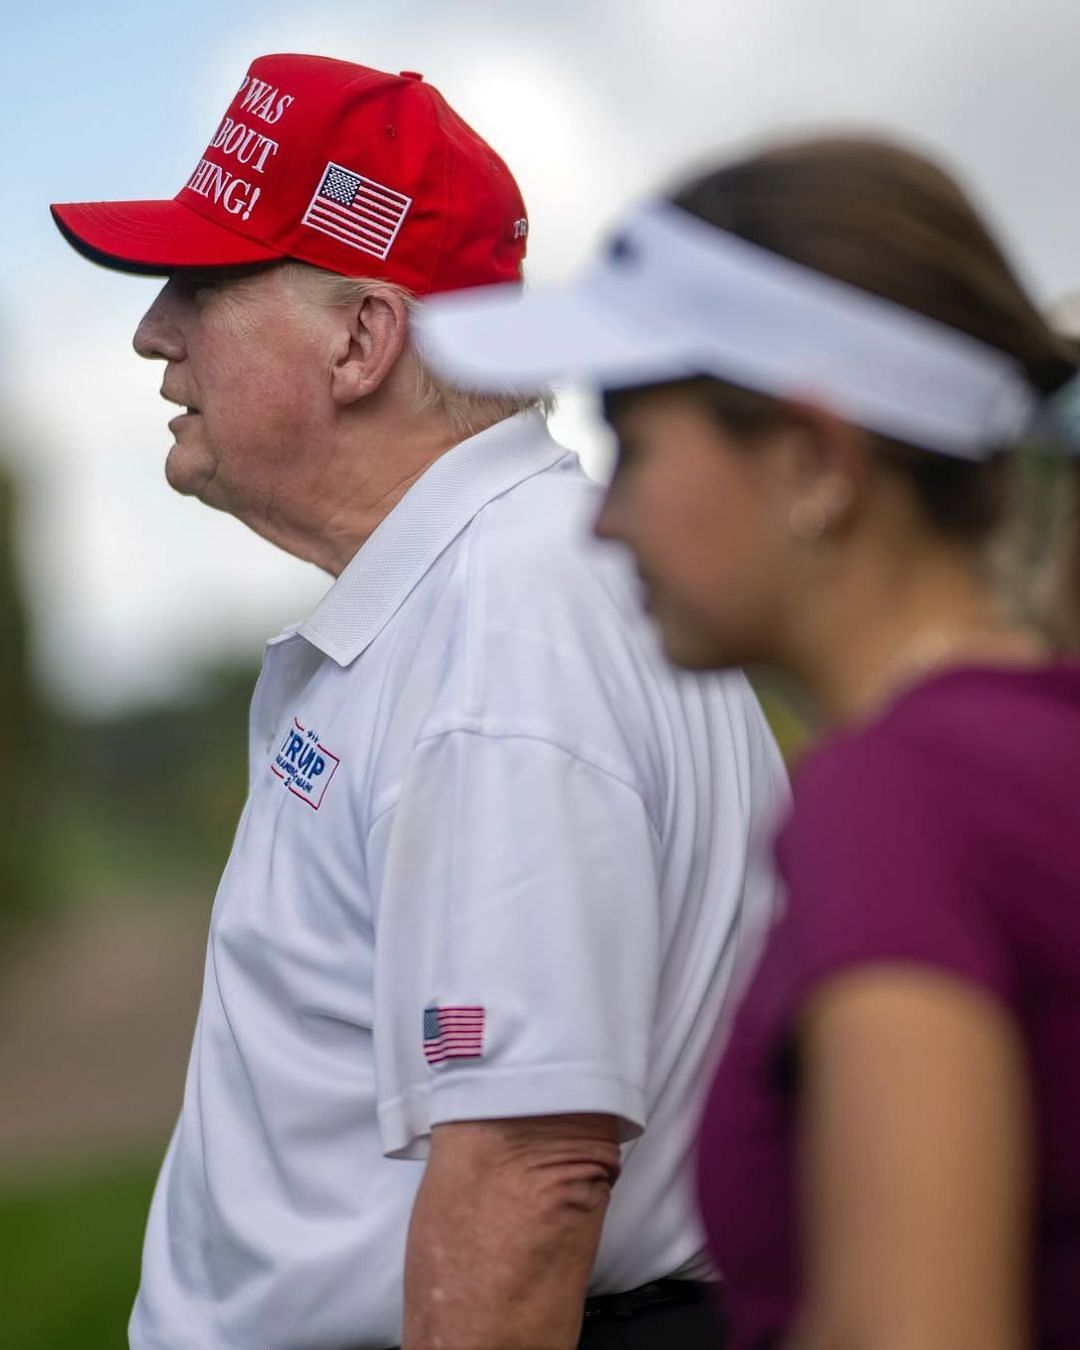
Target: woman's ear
(374,335)
(828,466)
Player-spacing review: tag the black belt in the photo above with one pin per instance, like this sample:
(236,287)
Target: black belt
(655,1294)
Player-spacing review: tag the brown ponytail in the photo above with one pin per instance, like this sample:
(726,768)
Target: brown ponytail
(893,223)
(1060,592)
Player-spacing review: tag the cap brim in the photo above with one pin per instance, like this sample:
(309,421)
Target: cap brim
(153,237)
(498,340)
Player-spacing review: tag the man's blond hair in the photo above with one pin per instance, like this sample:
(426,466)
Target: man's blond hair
(469,412)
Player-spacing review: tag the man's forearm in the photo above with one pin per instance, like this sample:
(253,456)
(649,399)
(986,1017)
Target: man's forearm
(504,1233)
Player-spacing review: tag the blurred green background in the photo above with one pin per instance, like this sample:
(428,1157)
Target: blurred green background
(114,833)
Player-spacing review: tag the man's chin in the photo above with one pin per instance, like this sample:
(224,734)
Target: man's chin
(187,474)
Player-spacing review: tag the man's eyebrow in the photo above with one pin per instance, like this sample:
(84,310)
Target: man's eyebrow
(218,276)
(195,277)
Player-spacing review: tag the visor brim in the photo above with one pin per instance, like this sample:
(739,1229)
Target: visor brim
(497,340)
(153,237)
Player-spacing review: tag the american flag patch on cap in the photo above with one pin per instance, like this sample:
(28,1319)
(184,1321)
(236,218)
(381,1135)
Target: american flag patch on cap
(453,1033)
(356,210)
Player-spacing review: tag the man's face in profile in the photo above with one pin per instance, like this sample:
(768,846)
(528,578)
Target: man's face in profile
(248,363)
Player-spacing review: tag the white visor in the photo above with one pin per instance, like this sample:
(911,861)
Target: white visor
(675,297)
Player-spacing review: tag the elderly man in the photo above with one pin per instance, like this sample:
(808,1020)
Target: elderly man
(495,869)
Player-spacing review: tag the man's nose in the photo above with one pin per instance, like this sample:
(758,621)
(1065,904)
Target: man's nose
(159,336)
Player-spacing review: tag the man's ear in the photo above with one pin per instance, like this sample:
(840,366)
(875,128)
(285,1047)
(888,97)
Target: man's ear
(829,469)
(366,354)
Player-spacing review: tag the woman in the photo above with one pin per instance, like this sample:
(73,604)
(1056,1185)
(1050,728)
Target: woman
(816,360)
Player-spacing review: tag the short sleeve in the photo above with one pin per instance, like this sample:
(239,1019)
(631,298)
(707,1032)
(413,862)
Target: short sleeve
(517,938)
(883,864)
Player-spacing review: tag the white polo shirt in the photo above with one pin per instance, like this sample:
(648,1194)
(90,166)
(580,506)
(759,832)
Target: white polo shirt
(496,860)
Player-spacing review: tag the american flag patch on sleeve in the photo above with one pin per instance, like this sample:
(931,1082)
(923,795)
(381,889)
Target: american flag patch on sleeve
(453,1033)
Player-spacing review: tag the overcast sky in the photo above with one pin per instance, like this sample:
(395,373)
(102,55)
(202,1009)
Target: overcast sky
(592,103)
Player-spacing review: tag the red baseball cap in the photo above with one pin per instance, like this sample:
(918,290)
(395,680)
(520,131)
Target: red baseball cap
(350,169)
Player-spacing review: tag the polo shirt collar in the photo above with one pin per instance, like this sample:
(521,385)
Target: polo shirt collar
(434,511)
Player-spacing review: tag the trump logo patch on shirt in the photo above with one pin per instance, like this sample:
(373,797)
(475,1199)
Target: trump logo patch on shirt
(453,1033)
(304,764)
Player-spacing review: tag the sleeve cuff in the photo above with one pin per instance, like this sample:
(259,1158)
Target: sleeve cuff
(406,1121)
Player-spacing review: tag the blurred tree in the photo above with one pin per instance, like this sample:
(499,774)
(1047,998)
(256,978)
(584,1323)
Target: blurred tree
(147,800)
(137,806)
(23,783)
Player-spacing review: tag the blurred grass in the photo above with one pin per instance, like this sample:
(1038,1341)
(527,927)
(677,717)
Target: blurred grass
(70,1243)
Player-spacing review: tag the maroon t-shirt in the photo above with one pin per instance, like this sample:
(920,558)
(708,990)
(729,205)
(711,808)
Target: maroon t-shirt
(946,834)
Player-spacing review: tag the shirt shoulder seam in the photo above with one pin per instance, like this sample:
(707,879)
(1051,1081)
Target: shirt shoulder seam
(475,727)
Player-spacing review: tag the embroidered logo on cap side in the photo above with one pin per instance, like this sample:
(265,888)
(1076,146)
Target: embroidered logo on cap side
(304,765)
(453,1033)
(356,211)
